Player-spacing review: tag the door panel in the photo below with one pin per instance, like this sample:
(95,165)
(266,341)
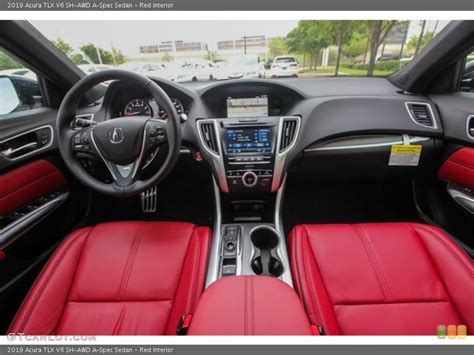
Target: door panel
(29,183)
(459,168)
(452,197)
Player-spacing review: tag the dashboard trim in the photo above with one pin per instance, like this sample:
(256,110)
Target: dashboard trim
(217,159)
(415,139)
(280,157)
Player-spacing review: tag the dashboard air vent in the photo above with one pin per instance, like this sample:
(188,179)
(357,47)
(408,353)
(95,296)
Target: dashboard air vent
(209,136)
(288,133)
(421,113)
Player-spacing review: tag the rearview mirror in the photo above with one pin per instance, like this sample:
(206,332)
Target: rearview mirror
(9,97)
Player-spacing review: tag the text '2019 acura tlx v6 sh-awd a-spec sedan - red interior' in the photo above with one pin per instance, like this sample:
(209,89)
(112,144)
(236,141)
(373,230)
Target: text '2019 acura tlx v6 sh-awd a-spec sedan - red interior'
(299,206)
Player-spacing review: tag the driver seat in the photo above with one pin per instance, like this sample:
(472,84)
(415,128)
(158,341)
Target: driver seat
(121,278)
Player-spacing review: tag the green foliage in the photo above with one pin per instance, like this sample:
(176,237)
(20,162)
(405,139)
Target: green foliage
(308,37)
(211,56)
(276,47)
(92,52)
(427,38)
(388,65)
(63,46)
(167,57)
(119,57)
(357,46)
(6,62)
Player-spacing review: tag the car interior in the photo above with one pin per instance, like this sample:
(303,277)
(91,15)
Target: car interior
(322,206)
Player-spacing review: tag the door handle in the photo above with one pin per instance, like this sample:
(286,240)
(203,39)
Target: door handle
(462,196)
(12,151)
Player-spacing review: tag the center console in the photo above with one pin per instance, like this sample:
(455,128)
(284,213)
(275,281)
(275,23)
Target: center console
(247,155)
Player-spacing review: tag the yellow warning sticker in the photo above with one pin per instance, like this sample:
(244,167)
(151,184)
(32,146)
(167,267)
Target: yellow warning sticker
(405,155)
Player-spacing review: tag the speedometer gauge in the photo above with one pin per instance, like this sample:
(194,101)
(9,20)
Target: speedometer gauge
(138,107)
(178,107)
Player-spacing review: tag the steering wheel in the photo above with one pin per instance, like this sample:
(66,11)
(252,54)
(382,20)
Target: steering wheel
(121,143)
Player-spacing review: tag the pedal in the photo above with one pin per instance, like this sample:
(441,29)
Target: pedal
(149,199)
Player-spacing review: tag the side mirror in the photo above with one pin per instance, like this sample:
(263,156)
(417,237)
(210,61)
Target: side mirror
(18,94)
(10,100)
(467,81)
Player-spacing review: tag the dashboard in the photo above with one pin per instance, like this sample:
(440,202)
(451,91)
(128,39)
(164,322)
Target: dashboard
(262,126)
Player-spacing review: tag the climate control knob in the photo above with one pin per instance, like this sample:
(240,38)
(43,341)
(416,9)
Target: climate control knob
(249,179)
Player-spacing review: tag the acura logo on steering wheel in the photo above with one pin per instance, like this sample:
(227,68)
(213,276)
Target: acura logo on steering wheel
(116,135)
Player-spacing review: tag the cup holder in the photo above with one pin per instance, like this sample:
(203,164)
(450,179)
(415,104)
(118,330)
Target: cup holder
(266,260)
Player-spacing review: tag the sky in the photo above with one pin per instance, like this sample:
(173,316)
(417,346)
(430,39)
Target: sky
(128,36)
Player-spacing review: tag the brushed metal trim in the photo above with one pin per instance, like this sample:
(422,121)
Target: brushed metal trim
(416,139)
(435,125)
(28,132)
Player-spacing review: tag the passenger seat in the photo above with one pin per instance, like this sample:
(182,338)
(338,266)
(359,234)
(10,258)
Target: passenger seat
(382,278)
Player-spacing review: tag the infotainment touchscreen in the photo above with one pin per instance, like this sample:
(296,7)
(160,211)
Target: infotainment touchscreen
(248,106)
(249,140)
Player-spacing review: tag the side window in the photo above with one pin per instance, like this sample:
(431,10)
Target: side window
(467,81)
(19,87)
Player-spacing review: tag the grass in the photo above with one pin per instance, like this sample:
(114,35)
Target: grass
(342,71)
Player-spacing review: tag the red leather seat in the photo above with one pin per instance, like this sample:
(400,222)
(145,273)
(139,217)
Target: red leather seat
(382,279)
(130,278)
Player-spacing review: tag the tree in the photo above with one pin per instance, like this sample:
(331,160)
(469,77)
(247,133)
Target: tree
(276,47)
(309,37)
(92,52)
(356,47)
(211,56)
(425,40)
(420,38)
(378,33)
(73,55)
(63,46)
(6,62)
(118,55)
(341,32)
(167,57)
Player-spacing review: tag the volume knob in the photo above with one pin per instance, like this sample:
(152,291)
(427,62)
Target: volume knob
(249,179)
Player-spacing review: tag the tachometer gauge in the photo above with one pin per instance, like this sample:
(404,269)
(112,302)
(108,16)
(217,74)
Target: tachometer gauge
(138,107)
(177,105)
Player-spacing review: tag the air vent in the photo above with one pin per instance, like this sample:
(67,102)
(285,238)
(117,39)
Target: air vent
(288,133)
(209,136)
(421,113)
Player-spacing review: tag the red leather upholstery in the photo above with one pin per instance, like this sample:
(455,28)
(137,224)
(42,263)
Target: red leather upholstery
(130,278)
(459,168)
(28,183)
(249,305)
(382,279)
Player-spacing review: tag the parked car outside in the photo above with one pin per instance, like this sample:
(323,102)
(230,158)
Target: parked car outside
(142,67)
(242,67)
(285,65)
(188,70)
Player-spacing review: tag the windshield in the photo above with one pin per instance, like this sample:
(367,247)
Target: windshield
(222,50)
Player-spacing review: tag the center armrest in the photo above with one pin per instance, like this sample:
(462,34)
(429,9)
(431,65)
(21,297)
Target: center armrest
(249,305)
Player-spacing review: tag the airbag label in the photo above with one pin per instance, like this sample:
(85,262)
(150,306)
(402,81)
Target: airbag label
(405,155)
